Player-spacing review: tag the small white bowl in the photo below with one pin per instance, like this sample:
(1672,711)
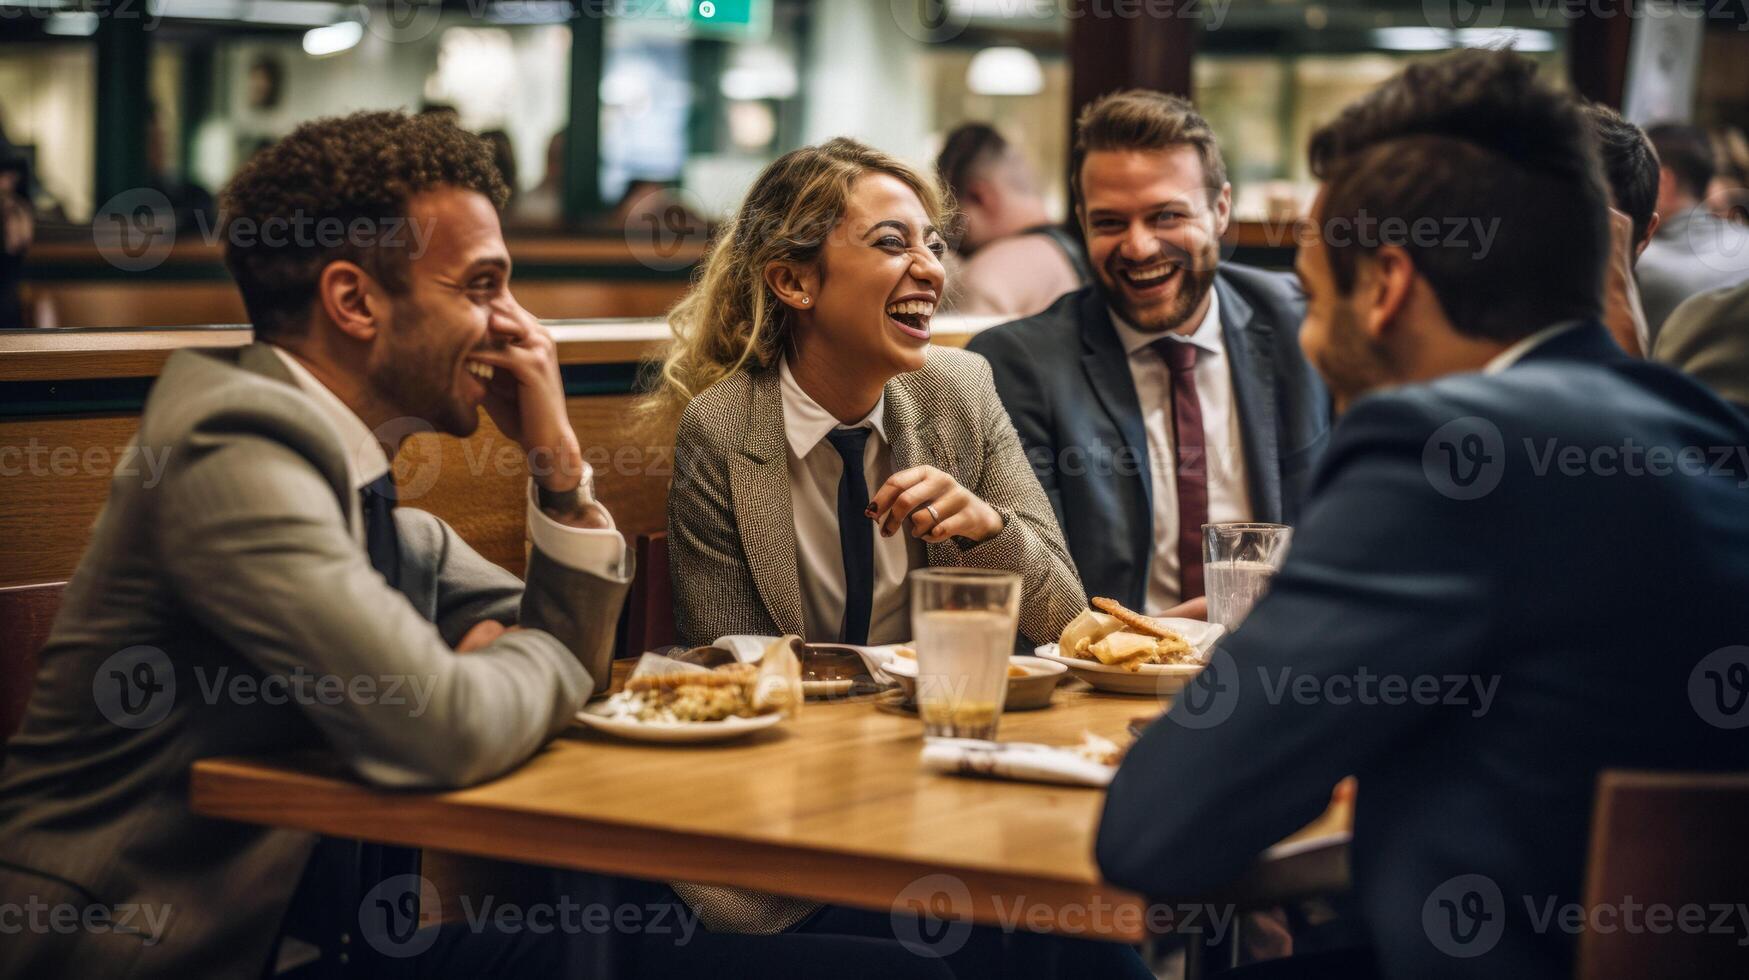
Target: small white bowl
(1024,693)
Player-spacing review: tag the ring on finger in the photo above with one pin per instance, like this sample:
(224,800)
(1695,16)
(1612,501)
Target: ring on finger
(930,507)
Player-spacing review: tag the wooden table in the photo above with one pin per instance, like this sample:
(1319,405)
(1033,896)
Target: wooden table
(832,806)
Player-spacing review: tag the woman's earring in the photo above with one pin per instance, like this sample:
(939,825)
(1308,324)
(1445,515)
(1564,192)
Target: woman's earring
(804,301)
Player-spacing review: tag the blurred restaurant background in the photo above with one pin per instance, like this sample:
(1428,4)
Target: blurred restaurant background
(626,127)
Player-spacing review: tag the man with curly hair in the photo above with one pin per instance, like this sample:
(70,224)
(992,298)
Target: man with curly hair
(262,592)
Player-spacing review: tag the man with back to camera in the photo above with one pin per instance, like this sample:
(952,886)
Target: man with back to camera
(1171,393)
(270,549)
(1472,616)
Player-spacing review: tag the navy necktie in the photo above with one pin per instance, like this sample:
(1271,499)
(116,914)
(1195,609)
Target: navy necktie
(380,538)
(855,534)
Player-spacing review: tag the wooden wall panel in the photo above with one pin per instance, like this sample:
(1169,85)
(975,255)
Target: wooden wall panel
(54,477)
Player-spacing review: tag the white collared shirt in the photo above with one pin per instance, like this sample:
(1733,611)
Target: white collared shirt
(815,470)
(1229,499)
(594,550)
(1512,355)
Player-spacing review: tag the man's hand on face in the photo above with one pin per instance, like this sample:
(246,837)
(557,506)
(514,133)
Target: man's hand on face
(526,399)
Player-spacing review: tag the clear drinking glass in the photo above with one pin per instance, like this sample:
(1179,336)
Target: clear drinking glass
(963,622)
(1238,561)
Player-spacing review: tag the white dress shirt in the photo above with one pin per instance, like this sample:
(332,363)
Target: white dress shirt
(594,550)
(1512,355)
(1229,500)
(815,470)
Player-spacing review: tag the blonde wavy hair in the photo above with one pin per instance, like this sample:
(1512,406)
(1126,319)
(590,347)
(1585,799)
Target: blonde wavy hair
(730,319)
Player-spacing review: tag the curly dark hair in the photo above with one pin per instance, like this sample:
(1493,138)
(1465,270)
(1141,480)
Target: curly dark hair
(336,189)
(1474,141)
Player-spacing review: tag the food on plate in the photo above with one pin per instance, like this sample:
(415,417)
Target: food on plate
(1015,670)
(1097,748)
(906,652)
(1090,626)
(1120,637)
(666,691)
(1133,622)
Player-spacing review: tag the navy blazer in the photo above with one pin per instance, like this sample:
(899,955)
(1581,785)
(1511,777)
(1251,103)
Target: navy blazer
(1502,585)
(1065,379)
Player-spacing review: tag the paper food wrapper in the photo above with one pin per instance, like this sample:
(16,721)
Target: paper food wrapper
(778,686)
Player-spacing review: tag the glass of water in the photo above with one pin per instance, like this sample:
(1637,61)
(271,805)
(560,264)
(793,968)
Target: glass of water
(1238,561)
(963,622)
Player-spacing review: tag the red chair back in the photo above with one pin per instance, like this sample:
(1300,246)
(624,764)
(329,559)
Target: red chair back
(650,601)
(1670,840)
(26,614)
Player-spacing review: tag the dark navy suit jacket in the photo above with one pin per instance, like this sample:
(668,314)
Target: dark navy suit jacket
(1529,552)
(1064,377)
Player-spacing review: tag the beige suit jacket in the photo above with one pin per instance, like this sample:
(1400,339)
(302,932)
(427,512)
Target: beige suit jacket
(217,611)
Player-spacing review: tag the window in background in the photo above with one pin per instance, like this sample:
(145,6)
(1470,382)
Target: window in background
(48,96)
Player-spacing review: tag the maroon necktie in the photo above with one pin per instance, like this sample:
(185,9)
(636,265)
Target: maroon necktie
(1193,487)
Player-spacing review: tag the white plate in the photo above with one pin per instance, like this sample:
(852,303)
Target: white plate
(676,732)
(1032,691)
(1155,679)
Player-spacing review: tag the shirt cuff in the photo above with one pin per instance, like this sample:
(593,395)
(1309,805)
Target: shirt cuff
(597,551)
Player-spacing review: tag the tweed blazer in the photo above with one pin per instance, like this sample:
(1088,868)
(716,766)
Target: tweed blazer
(212,598)
(732,536)
(731,529)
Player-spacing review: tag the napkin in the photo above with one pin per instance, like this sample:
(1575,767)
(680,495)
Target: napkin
(1023,761)
(749,649)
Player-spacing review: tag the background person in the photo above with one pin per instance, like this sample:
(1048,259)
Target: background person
(1630,171)
(1694,250)
(1017,260)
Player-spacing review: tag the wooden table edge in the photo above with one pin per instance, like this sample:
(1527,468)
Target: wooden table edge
(219,788)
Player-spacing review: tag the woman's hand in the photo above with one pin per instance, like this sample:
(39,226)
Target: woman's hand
(910,496)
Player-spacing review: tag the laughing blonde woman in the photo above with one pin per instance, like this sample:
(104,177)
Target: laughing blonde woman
(824,449)
(806,344)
